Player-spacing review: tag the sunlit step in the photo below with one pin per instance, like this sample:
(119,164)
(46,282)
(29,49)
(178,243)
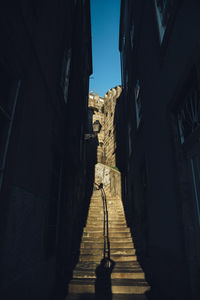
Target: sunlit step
(111,229)
(113,251)
(81,274)
(127,286)
(97,234)
(115,258)
(118,266)
(113,244)
(101,239)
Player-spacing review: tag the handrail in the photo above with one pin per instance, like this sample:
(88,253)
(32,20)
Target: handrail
(105,226)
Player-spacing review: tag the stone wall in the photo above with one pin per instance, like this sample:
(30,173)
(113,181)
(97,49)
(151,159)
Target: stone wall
(109,110)
(110,178)
(104,111)
(96,103)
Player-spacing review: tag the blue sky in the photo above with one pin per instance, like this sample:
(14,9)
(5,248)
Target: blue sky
(105,15)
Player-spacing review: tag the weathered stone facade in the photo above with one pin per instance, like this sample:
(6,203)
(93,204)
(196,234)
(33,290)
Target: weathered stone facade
(109,110)
(96,103)
(103,111)
(110,178)
(103,114)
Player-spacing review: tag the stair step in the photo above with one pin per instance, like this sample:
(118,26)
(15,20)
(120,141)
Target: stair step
(128,266)
(110,214)
(110,217)
(100,245)
(109,205)
(101,219)
(98,258)
(100,203)
(112,207)
(111,234)
(111,229)
(99,206)
(101,223)
(84,273)
(127,277)
(101,240)
(126,251)
(118,286)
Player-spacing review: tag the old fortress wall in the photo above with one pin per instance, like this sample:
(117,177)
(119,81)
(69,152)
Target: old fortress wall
(110,100)
(103,113)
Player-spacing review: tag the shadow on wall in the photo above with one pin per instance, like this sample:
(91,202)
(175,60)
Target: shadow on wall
(91,159)
(165,272)
(82,208)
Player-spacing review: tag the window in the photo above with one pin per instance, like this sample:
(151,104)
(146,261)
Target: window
(37,8)
(132,35)
(9,89)
(90,120)
(195,168)
(164,9)
(126,80)
(188,113)
(123,41)
(66,73)
(129,139)
(138,104)
(52,217)
(96,126)
(186,132)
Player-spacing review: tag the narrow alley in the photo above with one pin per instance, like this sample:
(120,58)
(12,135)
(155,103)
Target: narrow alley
(107,263)
(99,151)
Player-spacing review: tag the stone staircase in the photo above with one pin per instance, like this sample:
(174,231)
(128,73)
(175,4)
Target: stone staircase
(127,277)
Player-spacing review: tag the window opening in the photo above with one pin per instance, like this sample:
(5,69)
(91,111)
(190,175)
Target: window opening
(138,104)
(132,31)
(188,115)
(194,161)
(164,9)
(66,73)
(9,96)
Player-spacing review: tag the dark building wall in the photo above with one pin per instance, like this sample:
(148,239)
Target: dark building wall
(156,170)
(40,205)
